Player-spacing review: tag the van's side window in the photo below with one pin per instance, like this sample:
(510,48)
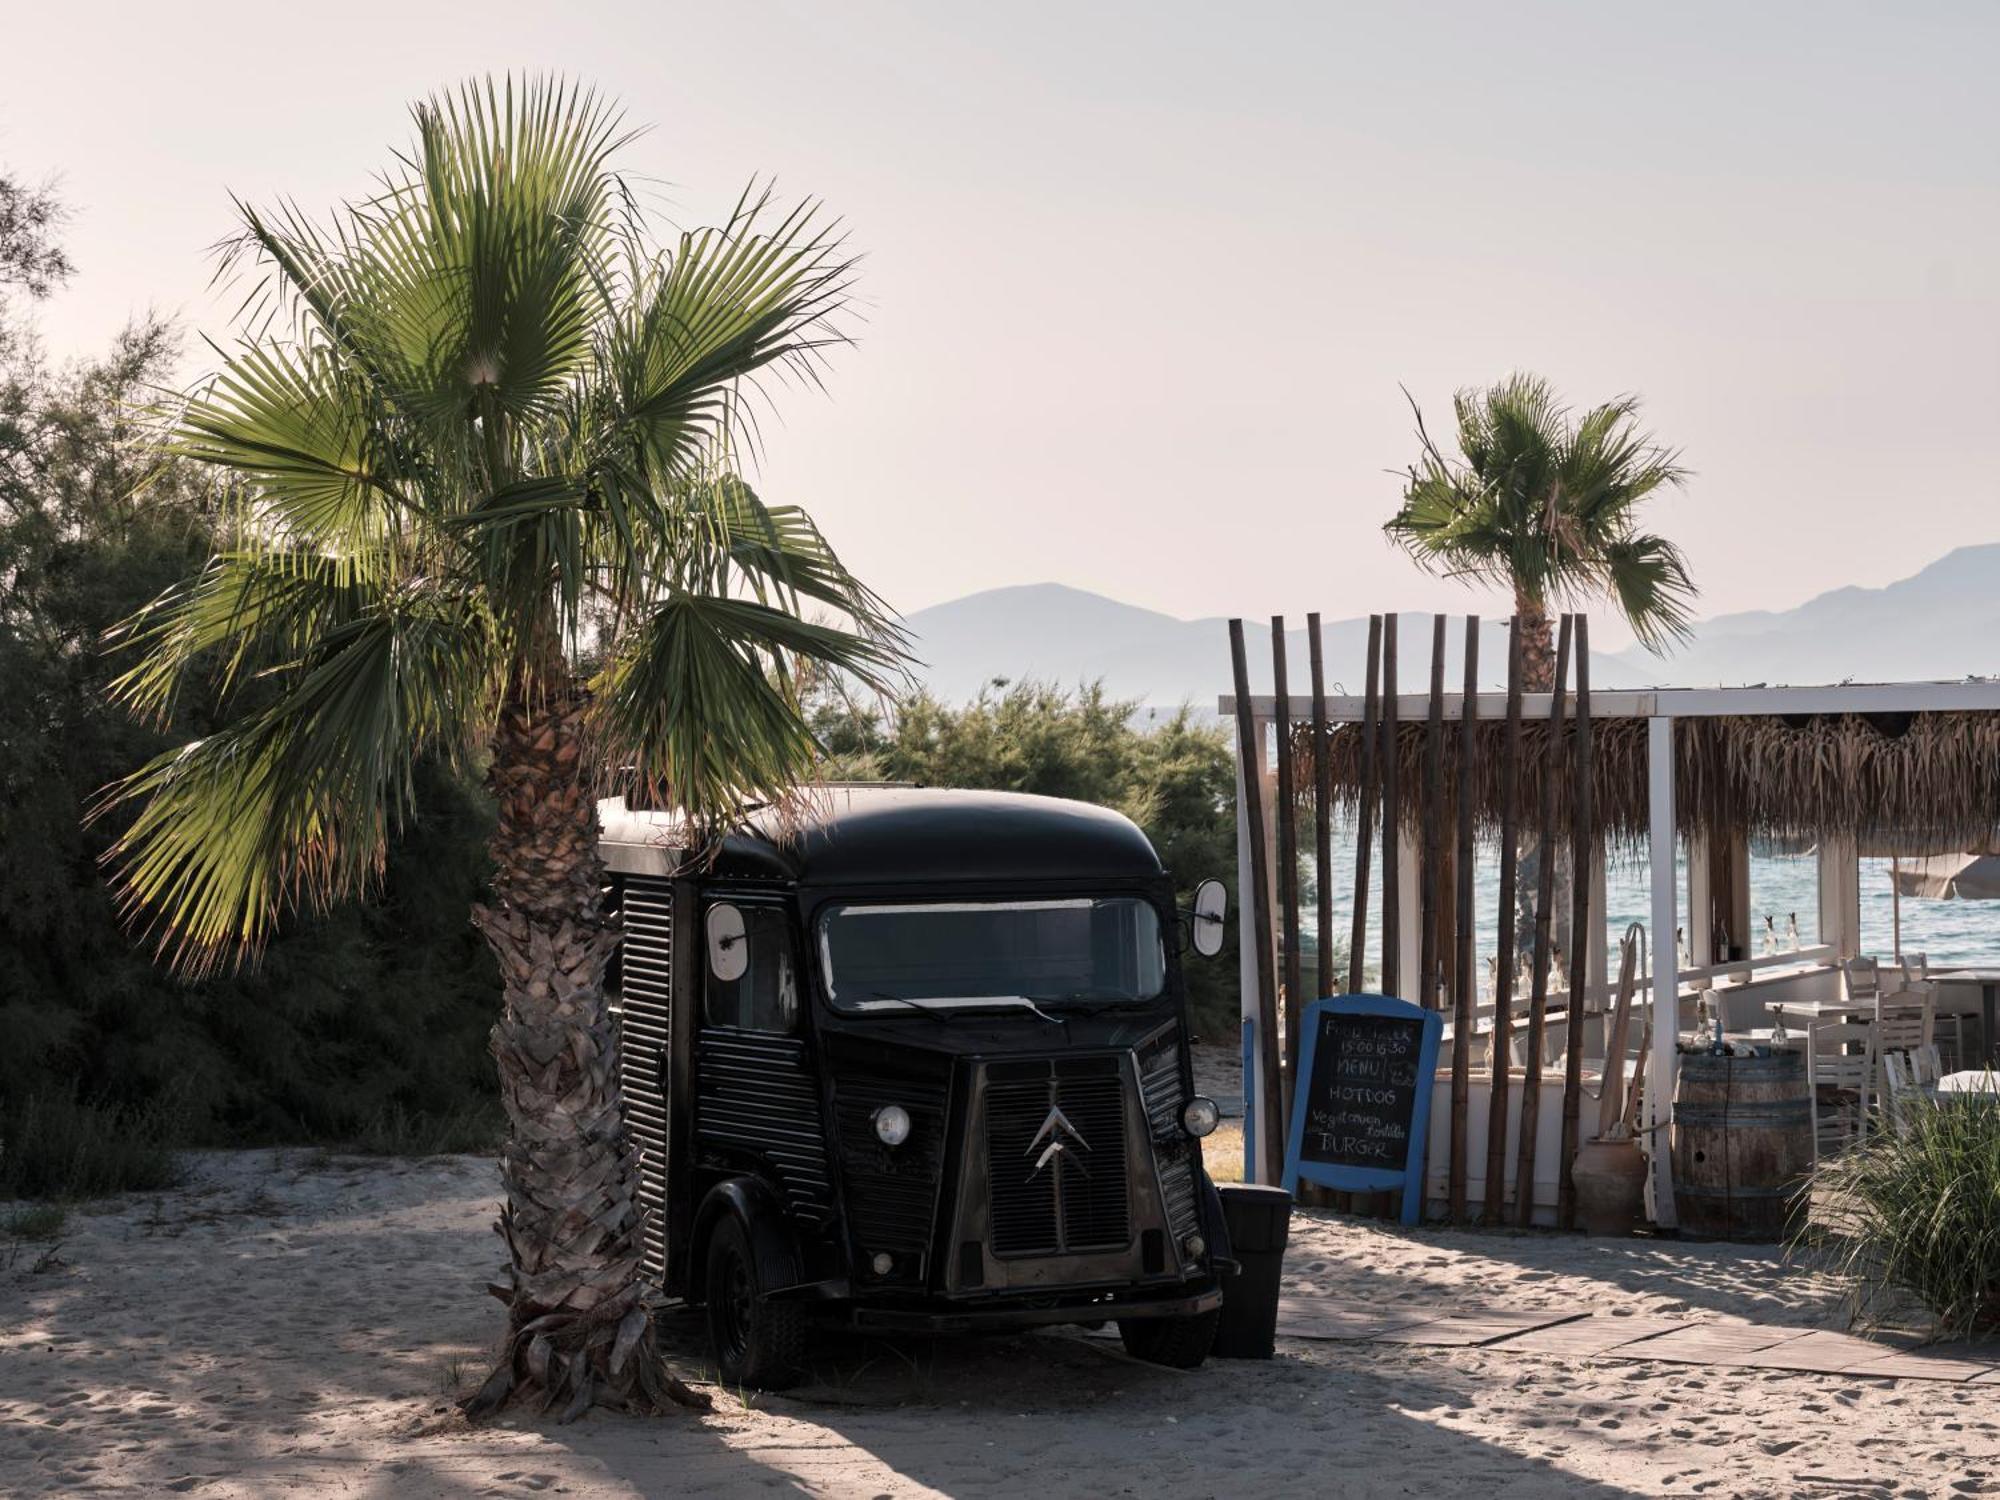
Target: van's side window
(766,998)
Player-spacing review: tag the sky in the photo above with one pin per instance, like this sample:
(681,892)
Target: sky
(1144,285)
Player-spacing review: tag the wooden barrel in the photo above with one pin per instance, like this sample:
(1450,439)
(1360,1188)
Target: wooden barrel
(1742,1145)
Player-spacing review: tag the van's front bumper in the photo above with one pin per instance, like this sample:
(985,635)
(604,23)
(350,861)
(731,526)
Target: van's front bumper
(939,1316)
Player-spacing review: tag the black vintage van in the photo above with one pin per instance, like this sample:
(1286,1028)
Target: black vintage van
(918,1063)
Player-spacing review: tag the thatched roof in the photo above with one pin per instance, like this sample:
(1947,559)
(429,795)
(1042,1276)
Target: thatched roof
(1916,782)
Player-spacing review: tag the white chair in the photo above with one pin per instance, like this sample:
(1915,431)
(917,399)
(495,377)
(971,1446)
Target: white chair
(1838,1082)
(1903,1028)
(1899,1091)
(1946,1031)
(1926,1068)
(1905,1087)
(1862,979)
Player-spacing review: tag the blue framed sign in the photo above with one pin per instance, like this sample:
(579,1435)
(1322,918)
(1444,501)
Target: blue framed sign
(1361,1106)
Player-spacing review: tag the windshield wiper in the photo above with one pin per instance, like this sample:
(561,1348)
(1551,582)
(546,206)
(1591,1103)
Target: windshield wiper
(936,1015)
(1071,1008)
(949,1014)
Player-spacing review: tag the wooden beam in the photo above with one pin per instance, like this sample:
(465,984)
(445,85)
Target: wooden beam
(1288,862)
(1974,695)
(1385,761)
(1663,1015)
(1270,1132)
(1430,898)
(1466,977)
(1357,949)
(1322,800)
(1538,1000)
(1582,851)
(1502,1045)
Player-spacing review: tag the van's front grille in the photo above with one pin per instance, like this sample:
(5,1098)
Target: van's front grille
(890,1191)
(1055,1141)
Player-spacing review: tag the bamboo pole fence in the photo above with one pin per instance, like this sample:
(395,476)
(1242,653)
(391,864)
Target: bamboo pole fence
(1288,862)
(1501,1044)
(1465,975)
(1582,852)
(1538,999)
(1431,873)
(1357,951)
(1250,769)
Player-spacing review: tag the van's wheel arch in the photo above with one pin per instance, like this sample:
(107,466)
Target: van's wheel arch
(743,1252)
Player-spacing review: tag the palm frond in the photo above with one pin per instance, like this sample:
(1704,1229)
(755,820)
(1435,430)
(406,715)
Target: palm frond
(703,704)
(1546,507)
(292,805)
(255,608)
(760,292)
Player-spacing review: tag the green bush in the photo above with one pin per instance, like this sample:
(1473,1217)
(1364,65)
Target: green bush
(58,1148)
(1915,1213)
(40,1221)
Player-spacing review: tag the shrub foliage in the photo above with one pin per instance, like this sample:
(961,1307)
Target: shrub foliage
(1915,1214)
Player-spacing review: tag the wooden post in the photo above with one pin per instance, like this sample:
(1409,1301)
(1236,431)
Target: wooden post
(1466,978)
(1502,1045)
(1664,1012)
(1392,903)
(1583,839)
(1611,1092)
(1538,1001)
(1431,898)
(1288,854)
(1357,949)
(1322,815)
(1270,1111)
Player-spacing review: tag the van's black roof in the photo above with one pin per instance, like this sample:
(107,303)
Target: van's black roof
(862,835)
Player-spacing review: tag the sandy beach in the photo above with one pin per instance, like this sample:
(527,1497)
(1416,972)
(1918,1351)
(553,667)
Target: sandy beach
(293,1323)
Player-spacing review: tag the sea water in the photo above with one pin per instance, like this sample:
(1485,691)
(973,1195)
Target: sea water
(1947,932)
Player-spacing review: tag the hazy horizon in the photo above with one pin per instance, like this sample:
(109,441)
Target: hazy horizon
(1142,282)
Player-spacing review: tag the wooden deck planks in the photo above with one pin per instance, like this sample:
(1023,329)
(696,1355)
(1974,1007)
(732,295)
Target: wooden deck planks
(1591,1336)
(1471,1330)
(1711,1343)
(1925,1364)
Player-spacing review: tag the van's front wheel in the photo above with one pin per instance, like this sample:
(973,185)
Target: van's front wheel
(758,1343)
(1180,1342)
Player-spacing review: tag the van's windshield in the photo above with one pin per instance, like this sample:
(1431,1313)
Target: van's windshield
(968,954)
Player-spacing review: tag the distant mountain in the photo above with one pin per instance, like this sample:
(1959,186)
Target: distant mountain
(1940,625)
(1050,632)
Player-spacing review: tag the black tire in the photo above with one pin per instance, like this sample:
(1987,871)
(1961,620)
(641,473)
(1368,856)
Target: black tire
(1182,1343)
(758,1343)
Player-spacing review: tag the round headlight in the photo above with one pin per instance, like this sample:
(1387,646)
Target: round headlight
(1199,1116)
(892,1124)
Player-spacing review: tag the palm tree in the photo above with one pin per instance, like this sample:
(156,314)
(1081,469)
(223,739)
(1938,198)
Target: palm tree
(1547,508)
(478,437)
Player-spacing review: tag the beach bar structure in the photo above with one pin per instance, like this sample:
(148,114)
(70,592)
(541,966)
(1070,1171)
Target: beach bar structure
(1844,771)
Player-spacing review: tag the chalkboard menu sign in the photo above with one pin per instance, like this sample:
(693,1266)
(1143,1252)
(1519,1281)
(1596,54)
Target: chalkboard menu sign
(1362,1105)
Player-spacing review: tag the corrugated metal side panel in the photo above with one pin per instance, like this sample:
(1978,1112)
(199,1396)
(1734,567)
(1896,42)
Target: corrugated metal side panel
(757,1094)
(644,1034)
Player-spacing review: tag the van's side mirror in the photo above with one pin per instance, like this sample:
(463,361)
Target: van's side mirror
(1207,920)
(728,952)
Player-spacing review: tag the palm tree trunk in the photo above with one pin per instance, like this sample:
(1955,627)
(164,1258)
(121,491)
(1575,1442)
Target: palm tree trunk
(1538,675)
(1538,652)
(580,1329)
